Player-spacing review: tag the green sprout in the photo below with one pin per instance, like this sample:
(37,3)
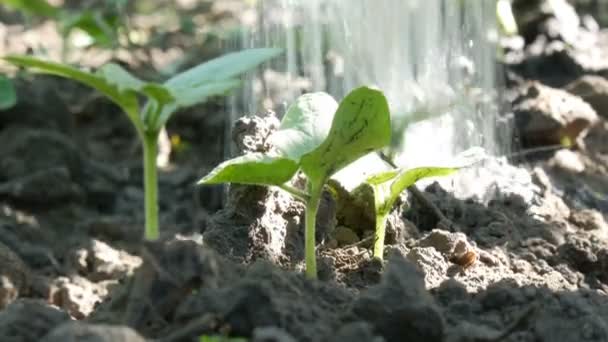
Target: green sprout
(8,97)
(384,188)
(193,86)
(319,140)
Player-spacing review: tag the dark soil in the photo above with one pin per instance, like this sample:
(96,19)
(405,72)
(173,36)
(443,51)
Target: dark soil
(73,266)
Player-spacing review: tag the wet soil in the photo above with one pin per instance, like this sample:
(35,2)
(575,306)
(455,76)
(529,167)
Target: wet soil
(73,266)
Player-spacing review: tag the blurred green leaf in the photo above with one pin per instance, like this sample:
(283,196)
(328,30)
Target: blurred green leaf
(222,68)
(8,97)
(106,82)
(33,7)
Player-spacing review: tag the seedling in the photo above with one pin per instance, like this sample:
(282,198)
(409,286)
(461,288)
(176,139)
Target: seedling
(8,98)
(319,140)
(387,187)
(193,86)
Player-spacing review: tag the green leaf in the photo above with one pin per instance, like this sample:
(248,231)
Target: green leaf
(305,125)
(101,27)
(221,68)
(8,97)
(361,125)
(194,95)
(389,185)
(106,82)
(33,7)
(256,168)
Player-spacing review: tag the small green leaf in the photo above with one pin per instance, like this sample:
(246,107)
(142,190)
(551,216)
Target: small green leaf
(106,83)
(120,78)
(305,125)
(361,125)
(197,94)
(221,68)
(33,7)
(8,97)
(256,168)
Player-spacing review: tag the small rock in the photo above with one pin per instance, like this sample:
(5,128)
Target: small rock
(594,90)
(82,332)
(547,116)
(108,263)
(567,160)
(29,320)
(78,296)
(345,236)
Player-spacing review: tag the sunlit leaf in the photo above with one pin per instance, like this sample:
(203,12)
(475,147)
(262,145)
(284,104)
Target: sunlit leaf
(254,168)
(305,125)
(361,125)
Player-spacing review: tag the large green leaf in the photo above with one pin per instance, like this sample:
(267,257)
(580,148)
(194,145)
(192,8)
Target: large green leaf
(106,82)
(305,125)
(222,68)
(8,97)
(33,7)
(256,168)
(361,125)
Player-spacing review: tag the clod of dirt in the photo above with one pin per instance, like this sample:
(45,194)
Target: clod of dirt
(568,161)
(400,308)
(431,262)
(251,133)
(356,332)
(39,106)
(77,295)
(267,296)
(547,116)
(34,188)
(15,276)
(99,261)
(271,334)
(345,236)
(82,332)
(589,219)
(28,320)
(560,47)
(594,90)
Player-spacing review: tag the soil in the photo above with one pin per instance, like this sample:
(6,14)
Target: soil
(526,261)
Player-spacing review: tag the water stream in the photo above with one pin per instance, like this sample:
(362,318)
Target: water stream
(434,60)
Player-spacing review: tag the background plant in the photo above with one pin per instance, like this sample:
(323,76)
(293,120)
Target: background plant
(319,140)
(193,86)
(8,97)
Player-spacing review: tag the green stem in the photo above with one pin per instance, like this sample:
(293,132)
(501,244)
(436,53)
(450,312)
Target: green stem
(379,236)
(312,205)
(151,185)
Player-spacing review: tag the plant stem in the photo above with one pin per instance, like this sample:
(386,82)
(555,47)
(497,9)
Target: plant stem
(312,205)
(297,193)
(151,185)
(379,236)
